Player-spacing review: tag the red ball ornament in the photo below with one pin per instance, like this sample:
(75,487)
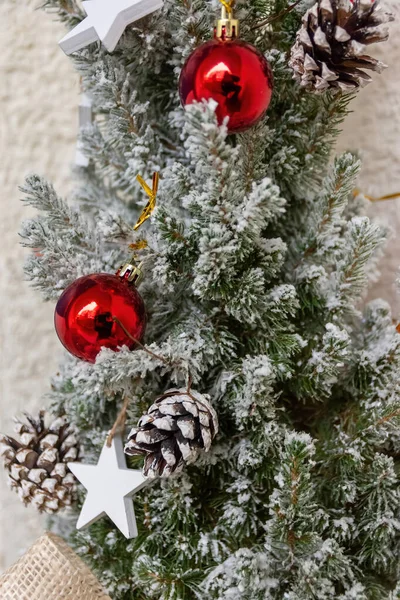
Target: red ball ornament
(90,312)
(234,74)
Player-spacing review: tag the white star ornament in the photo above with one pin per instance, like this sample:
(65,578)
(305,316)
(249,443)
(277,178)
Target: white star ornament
(106,21)
(110,486)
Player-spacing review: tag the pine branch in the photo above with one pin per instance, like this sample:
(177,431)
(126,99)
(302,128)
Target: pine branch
(65,246)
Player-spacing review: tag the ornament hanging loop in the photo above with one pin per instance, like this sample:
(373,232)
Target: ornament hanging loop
(226,28)
(152,194)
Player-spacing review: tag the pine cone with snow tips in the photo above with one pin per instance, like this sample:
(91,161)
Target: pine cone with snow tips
(329,48)
(175,430)
(37,462)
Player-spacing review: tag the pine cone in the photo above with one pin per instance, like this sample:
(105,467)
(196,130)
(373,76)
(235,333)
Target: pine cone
(175,429)
(329,48)
(37,464)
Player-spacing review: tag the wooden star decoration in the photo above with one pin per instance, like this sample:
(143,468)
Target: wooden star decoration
(110,486)
(106,21)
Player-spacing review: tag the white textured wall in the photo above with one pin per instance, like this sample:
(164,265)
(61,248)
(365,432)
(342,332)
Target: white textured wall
(38,108)
(38,99)
(374,130)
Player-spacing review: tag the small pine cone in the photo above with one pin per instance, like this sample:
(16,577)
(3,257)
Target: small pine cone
(329,48)
(175,429)
(37,463)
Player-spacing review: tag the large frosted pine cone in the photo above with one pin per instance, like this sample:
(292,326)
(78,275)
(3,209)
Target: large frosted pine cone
(37,462)
(174,431)
(330,45)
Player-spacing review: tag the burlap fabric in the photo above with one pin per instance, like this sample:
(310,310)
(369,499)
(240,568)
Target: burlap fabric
(50,570)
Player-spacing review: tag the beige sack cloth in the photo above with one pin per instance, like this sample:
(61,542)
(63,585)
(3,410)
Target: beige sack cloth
(50,570)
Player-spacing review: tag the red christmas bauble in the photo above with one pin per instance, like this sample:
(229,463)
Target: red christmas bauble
(86,311)
(234,74)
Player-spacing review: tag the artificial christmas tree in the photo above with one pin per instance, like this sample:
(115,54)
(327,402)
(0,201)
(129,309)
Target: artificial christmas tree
(255,262)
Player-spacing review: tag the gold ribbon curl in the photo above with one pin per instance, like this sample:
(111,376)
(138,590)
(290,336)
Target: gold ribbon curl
(152,194)
(139,245)
(228,4)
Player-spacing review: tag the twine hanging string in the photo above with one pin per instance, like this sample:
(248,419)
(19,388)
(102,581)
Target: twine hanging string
(120,421)
(395,196)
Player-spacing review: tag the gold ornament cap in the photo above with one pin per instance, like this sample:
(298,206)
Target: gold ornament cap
(226,28)
(131,273)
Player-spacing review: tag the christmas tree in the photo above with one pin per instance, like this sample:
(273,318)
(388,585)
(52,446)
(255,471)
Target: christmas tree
(255,262)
